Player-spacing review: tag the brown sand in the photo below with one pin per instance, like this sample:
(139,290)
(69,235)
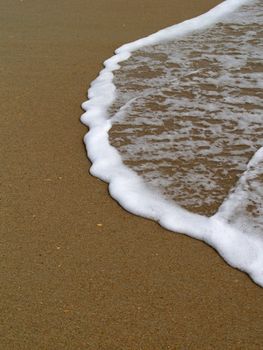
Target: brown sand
(67,283)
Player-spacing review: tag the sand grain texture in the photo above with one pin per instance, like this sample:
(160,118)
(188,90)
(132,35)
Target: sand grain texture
(66,282)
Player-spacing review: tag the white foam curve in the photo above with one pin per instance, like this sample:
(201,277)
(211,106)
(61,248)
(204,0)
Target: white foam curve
(240,250)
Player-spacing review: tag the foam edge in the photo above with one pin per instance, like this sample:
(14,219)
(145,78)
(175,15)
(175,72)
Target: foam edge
(236,248)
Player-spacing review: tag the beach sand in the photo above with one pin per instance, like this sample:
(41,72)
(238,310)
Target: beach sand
(77,271)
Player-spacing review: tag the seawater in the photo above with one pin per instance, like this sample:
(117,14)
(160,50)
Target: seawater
(185,116)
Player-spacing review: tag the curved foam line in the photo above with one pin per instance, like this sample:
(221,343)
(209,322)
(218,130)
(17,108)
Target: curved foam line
(239,250)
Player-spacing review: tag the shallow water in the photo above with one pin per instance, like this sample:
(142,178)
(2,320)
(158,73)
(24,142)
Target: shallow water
(188,118)
(175,128)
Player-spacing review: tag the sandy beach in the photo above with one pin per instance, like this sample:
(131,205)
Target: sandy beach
(77,271)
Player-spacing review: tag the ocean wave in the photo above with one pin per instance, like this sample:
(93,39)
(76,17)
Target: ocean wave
(176,130)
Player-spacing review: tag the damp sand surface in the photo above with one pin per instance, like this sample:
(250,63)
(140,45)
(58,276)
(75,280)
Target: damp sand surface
(66,281)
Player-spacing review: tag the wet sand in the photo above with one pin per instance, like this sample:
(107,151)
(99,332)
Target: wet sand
(77,271)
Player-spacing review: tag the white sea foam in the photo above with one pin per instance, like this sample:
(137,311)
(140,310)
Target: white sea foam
(229,231)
